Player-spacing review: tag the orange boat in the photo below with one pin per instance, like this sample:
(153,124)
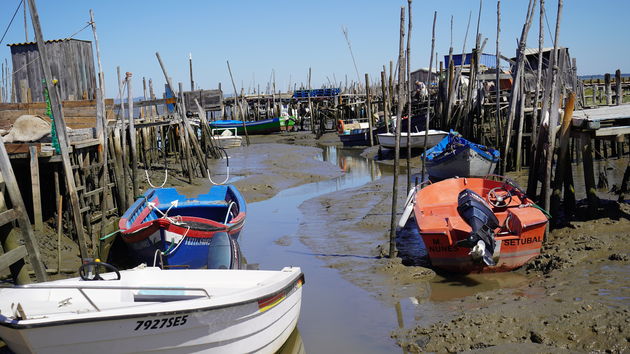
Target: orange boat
(477,225)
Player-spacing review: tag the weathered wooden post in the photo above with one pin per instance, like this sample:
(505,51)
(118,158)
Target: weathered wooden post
(497,79)
(123,141)
(553,110)
(132,141)
(401,65)
(608,89)
(516,88)
(369,108)
(563,165)
(618,91)
(428,83)
(60,126)
(386,112)
(408,89)
(310,104)
(239,103)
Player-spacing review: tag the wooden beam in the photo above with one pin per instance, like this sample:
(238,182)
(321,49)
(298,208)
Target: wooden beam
(11,257)
(35,188)
(7,216)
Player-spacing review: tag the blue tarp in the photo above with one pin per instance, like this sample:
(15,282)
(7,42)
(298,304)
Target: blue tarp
(454,142)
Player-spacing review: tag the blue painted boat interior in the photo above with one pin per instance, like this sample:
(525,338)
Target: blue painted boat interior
(212,205)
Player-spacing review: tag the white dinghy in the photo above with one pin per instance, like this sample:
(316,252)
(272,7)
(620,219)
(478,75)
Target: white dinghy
(149,309)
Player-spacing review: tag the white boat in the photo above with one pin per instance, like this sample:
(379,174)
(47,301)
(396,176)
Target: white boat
(149,309)
(227,139)
(416,139)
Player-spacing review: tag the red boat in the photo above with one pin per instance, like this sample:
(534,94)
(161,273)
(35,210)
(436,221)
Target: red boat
(477,225)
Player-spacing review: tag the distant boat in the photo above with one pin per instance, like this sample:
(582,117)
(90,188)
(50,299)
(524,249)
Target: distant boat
(476,225)
(355,132)
(153,310)
(416,139)
(455,156)
(228,138)
(265,126)
(166,228)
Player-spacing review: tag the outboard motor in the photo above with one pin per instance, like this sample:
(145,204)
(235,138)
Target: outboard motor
(477,213)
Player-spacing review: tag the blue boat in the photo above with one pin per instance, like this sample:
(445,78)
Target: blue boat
(167,229)
(455,156)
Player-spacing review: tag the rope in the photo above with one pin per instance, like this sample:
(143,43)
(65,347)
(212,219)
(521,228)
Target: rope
(10,22)
(146,173)
(109,235)
(227,158)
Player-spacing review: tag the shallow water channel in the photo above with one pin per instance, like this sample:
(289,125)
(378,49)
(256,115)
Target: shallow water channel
(337,316)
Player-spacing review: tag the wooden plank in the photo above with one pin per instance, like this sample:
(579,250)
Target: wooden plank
(9,258)
(613,131)
(7,216)
(36,191)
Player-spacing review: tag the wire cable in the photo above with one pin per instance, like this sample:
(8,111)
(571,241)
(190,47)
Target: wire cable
(10,22)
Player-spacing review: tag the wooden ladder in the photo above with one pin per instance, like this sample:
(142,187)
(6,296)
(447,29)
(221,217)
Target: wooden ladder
(14,254)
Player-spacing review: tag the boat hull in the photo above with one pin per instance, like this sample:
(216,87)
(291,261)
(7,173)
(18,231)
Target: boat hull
(258,324)
(159,233)
(463,163)
(266,126)
(441,227)
(416,140)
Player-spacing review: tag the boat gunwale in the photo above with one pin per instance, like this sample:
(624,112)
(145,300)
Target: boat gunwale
(289,288)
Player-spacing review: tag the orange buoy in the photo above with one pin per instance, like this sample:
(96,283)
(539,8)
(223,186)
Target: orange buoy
(340,127)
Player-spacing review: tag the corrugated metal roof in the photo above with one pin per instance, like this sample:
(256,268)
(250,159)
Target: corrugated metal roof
(530,51)
(488,60)
(48,41)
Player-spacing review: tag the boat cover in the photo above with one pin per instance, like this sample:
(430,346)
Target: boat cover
(453,143)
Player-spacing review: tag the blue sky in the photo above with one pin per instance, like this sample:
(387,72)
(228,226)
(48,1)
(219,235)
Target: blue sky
(288,37)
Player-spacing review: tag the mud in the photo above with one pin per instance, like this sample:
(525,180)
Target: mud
(575,297)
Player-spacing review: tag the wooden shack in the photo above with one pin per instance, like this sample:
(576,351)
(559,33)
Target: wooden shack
(71,63)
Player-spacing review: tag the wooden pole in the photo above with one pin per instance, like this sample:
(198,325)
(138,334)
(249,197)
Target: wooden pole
(192,81)
(60,126)
(516,88)
(239,104)
(426,124)
(408,89)
(132,140)
(541,40)
(521,121)
(551,137)
(589,175)
(123,142)
(618,91)
(310,103)
(401,78)
(59,229)
(186,138)
(369,108)
(497,119)
(608,89)
(384,89)
(36,192)
(101,122)
(564,159)
(101,127)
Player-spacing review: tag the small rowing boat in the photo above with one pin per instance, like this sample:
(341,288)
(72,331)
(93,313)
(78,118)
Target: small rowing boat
(455,156)
(476,224)
(416,139)
(166,228)
(150,310)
